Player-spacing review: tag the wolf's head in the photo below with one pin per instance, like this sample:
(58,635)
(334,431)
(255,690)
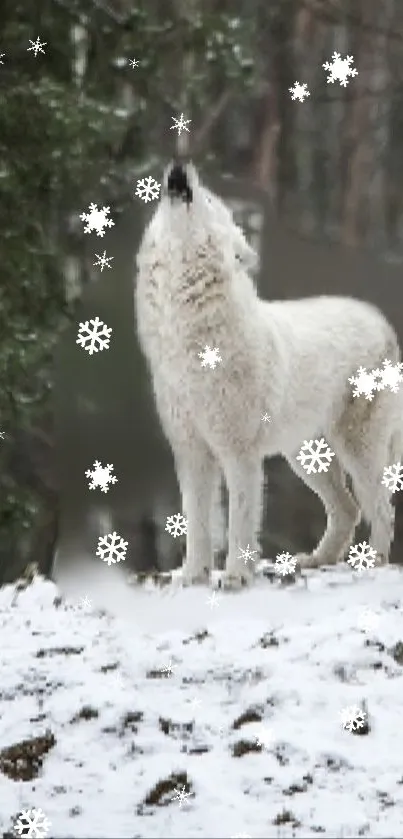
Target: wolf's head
(179,182)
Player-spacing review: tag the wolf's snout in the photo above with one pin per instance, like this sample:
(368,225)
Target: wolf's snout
(178,184)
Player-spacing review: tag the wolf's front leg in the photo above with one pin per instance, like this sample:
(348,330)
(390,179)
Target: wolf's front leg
(196,473)
(245,486)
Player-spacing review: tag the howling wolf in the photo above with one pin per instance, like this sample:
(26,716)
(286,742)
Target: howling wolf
(290,359)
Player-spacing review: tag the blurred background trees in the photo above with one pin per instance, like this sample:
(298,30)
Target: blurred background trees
(79,124)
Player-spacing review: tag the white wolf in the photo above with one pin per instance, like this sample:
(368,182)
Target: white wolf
(290,359)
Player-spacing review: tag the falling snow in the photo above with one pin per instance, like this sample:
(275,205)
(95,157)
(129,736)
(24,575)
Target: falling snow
(94,338)
(340,69)
(101,476)
(36,46)
(180,124)
(111,548)
(210,357)
(299,91)
(96,220)
(147,189)
(103,261)
(393,477)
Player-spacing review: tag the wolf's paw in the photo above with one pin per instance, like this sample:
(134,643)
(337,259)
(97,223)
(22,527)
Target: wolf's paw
(190,575)
(315,560)
(232,580)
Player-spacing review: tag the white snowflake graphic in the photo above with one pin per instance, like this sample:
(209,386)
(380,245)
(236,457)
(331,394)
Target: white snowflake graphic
(133,63)
(299,91)
(361,556)
(94,338)
(365,383)
(32,823)
(352,717)
(266,418)
(169,668)
(36,46)
(2,434)
(180,795)
(97,219)
(195,703)
(101,476)
(340,69)
(265,738)
(2,54)
(314,459)
(147,189)
(368,620)
(390,376)
(111,548)
(180,124)
(85,602)
(285,564)
(247,554)
(210,357)
(103,261)
(213,600)
(176,525)
(393,477)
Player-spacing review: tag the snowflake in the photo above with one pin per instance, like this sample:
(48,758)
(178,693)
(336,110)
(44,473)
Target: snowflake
(180,124)
(133,63)
(176,525)
(85,602)
(169,668)
(365,383)
(213,600)
(352,718)
(147,189)
(317,458)
(36,46)
(210,357)
(96,219)
(390,376)
(111,548)
(36,824)
(285,564)
(247,554)
(2,54)
(195,702)
(339,69)
(361,556)
(101,476)
(393,477)
(265,738)
(180,795)
(97,335)
(103,261)
(299,91)
(368,620)
(266,418)
(2,433)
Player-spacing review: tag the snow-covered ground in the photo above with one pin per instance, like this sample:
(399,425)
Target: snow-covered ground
(247,722)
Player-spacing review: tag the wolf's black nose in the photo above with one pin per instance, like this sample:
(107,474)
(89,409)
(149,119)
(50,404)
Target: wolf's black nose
(178,185)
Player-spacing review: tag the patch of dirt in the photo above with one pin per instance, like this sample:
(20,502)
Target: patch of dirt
(23,760)
(397,652)
(59,651)
(107,668)
(162,793)
(294,789)
(244,747)
(268,640)
(130,721)
(197,750)
(168,726)
(198,636)
(85,713)
(286,817)
(251,715)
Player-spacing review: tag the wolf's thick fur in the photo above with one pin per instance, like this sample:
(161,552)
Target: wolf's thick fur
(289,359)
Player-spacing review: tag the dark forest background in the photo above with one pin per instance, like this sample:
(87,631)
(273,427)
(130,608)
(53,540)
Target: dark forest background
(317,186)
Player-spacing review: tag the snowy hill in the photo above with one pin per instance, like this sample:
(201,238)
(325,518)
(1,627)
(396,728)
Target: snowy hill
(246,724)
